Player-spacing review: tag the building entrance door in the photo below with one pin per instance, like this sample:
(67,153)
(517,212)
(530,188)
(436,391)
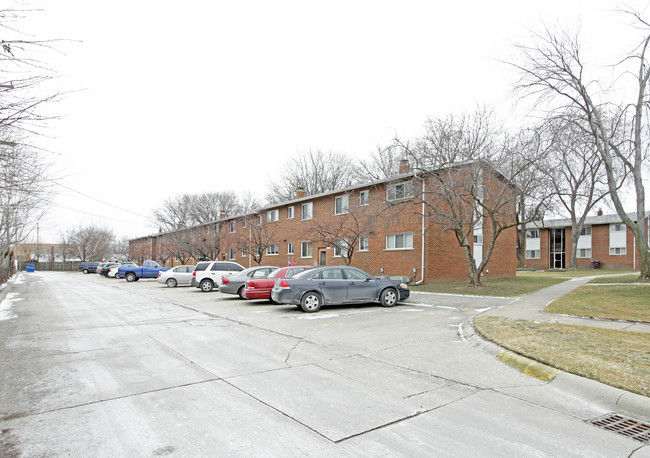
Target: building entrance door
(557,248)
(322,257)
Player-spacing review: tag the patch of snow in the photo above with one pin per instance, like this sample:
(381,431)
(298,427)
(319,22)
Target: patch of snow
(6,305)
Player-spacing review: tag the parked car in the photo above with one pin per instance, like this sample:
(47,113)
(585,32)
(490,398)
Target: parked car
(99,267)
(207,274)
(337,285)
(88,267)
(103,271)
(176,276)
(149,269)
(236,283)
(260,288)
(112,272)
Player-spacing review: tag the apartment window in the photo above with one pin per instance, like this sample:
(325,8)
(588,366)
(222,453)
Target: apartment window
(272,250)
(232,253)
(617,240)
(532,234)
(290,212)
(341,205)
(532,254)
(363,243)
(243,223)
(403,241)
(399,191)
(341,248)
(305,249)
(272,215)
(233,226)
(583,253)
(290,248)
(243,252)
(307,211)
(478,239)
(586,230)
(259,220)
(364,198)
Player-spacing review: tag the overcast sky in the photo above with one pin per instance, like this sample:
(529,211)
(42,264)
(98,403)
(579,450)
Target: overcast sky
(187,97)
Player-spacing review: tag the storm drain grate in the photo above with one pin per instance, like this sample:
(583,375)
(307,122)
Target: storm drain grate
(624,426)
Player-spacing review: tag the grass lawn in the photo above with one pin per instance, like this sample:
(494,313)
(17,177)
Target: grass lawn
(510,287)
(617,358)
(613,302)
(632,278)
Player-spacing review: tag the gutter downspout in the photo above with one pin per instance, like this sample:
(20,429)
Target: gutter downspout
(423,229)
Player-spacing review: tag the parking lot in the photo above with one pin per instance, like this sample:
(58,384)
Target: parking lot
(100,367)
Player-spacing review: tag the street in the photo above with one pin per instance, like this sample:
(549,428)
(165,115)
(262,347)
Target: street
(91,366)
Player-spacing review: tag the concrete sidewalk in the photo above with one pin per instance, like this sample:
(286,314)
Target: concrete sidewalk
(530,308)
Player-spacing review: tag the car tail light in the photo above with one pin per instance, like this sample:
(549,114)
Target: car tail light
(224,280)
(159,274)
(194,273)
(283,284)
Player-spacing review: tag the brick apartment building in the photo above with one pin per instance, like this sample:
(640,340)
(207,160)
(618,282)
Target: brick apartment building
(604,239)
(383,223)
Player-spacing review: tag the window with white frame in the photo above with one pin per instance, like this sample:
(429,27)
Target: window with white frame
(259,220)
(305,249)
(272,215)
(290,212)
(399,191)
(341,205)
(232,252)
(583,247)
(290,248)
(402,241)
(272,250)
(617,240)
(363,243)
(243,252)
(364,198)
(341,248)
(307,211)
(233,226)
(532,234)
(583,253)
(243,222)
(533,241)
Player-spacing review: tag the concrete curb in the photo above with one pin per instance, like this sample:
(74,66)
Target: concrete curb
(606,396)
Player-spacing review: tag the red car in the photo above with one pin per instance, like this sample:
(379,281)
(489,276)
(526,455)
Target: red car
(260,288)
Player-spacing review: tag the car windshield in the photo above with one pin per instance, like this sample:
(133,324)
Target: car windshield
(304,273)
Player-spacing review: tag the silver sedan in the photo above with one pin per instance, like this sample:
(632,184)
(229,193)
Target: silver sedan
(177,276)
(234,284)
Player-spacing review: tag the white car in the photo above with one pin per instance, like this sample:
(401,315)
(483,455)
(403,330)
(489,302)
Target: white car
(112,272)
(207,275)
(176,276)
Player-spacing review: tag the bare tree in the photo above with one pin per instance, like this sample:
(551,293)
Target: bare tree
(383,163)
(343,232)
(462,192)
(259,235)
(24,192)
(315,172)
(89,243)
(576,173)
(552,70)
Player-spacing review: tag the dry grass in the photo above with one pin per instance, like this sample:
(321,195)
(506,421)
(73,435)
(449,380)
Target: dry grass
(633,278)
(628,302)
(509,287)
(616,358)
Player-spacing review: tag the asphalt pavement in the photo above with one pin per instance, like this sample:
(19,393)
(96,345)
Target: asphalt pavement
(92,366)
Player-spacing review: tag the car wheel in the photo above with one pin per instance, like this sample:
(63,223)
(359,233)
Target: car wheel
(206,286)
(85,271)
(240,292)
(131,277)
(388,297)
(310,302)
(171,282)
